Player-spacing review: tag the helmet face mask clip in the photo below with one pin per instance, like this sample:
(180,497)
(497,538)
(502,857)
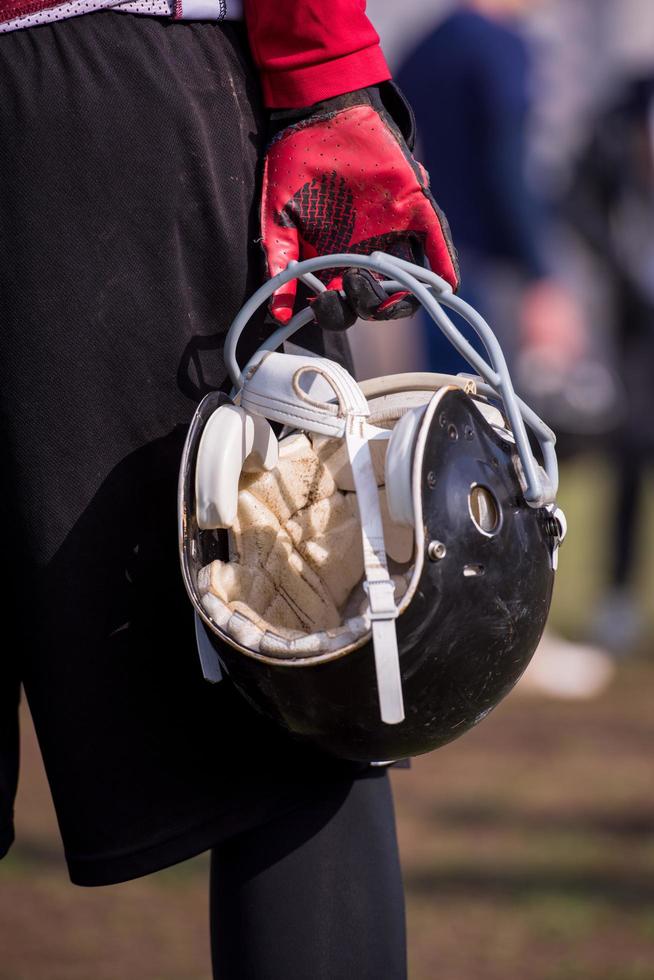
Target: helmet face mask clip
(376,578)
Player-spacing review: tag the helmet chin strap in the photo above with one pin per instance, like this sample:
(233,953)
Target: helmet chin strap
(378,584)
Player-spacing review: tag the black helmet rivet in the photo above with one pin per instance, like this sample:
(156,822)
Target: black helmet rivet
(431,479)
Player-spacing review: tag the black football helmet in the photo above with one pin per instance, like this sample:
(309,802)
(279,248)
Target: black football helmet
(376,576)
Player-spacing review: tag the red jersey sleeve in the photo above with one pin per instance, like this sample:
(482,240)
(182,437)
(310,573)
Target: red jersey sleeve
(308,50)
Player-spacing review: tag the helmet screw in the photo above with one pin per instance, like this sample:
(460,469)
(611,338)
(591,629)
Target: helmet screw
(436,550)
(431,479)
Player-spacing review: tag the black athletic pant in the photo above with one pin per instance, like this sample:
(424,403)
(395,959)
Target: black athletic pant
(129,153)
(313,895)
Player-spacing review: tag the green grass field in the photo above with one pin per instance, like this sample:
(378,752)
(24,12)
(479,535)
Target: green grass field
(527,846)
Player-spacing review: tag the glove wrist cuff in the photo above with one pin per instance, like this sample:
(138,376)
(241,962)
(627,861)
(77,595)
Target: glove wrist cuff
(385,98)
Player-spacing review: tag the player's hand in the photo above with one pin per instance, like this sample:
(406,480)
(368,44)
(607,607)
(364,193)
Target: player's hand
(340,177)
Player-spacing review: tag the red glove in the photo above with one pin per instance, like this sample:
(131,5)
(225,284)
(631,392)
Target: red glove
(341,178)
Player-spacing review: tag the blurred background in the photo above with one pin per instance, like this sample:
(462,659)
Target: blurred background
(528,846)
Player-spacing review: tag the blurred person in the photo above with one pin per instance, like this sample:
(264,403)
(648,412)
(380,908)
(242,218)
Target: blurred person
(132,142)
(474,142)
(611,205)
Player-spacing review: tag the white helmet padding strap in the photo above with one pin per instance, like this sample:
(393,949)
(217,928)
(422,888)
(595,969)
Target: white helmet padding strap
(273,387)
(276,387)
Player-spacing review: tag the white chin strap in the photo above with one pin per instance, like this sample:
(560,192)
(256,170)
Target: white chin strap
(379,587)
(316,395)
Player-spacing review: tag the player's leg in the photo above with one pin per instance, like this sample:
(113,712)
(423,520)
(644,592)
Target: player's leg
(316,893)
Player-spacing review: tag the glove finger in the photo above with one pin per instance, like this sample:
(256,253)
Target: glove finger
(283,248)
(397,306)
(370,301)
(279,240)
(363,292)
(438,244)
(332,312)
(335,281)
(282,302)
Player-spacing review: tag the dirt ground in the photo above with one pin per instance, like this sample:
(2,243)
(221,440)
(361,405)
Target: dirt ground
(527,846)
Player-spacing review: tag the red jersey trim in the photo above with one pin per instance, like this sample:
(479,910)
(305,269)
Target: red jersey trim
(15,8)
(294,88)
(312,50)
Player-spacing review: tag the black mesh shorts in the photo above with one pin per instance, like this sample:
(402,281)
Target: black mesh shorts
(129,149)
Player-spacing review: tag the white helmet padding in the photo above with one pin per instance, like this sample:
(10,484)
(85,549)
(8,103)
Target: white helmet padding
(233,440)
(296,558)
(398,467)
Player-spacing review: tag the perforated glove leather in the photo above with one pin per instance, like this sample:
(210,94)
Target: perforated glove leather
(340,177)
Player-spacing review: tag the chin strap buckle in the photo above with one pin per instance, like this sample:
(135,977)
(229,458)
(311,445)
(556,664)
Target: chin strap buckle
(381,596)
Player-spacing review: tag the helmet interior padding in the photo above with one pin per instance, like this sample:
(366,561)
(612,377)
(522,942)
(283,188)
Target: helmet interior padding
(294,578)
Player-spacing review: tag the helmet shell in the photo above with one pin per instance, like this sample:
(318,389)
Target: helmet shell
(473,622)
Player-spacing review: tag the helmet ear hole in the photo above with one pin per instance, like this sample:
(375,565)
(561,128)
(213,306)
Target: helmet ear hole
(484,509)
